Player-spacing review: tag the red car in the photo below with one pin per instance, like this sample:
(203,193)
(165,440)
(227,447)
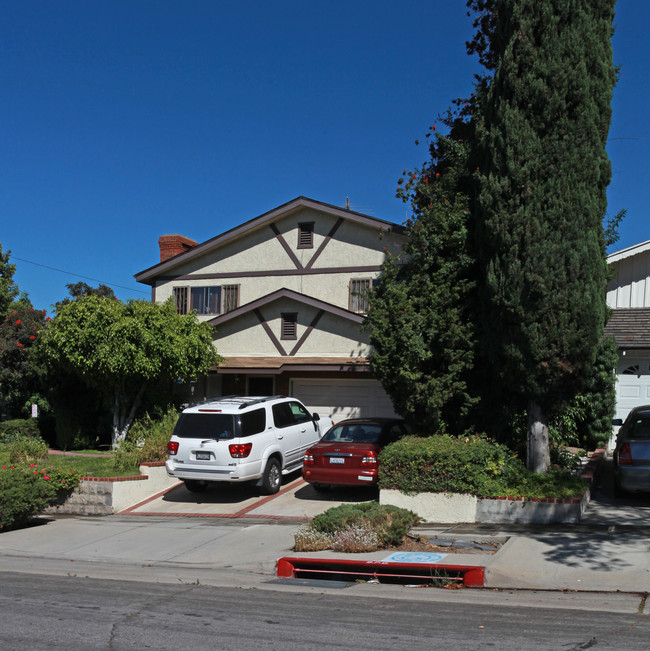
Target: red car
(348,454)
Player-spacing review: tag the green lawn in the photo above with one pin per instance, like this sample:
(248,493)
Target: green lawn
(101,466)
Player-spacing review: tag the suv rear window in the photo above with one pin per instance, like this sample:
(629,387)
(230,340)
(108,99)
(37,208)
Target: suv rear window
(205,426)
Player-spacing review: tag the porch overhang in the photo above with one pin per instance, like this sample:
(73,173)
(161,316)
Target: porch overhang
(279,365)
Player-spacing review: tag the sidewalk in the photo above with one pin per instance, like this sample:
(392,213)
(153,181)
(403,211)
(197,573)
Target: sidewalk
(609,551)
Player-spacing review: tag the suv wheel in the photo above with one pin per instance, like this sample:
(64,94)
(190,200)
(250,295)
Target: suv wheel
(195,486)
(272,477)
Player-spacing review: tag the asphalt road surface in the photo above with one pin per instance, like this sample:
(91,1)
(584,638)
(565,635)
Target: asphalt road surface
(45,612)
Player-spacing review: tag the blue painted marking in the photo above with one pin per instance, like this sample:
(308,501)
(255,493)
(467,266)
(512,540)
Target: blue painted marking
(413,557)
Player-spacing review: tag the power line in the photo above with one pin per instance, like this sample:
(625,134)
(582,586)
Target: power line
(69,273)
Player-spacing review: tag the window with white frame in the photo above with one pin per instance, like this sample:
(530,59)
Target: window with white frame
(212,300)
(359,293)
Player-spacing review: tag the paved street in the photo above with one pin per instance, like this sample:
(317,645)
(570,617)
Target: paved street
(75,612)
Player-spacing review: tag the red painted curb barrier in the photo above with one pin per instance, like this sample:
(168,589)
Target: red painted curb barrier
(471,576)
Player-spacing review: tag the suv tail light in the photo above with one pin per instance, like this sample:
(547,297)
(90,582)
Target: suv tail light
(309,459)
(369,458)
(172,448)
(240,450)
(625,455)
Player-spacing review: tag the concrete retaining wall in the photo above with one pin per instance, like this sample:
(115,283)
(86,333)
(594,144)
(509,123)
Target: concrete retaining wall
(451,508)
(108,495)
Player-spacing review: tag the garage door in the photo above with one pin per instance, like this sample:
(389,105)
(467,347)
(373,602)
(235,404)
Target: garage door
(632,387)
(341,399)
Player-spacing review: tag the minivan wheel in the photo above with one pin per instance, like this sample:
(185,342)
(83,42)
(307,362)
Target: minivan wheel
(195,486)
(272,477)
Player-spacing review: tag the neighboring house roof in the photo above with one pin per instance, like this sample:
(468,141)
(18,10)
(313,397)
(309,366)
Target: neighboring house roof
(630,327)
(290,294)
(148,275)
(629,252)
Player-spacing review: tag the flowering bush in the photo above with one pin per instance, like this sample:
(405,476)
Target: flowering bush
(26,490)
(356,538)
(310,540)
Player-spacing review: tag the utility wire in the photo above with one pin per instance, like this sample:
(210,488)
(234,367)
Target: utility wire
(69,273)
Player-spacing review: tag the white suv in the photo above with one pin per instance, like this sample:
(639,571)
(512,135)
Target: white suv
(237,439)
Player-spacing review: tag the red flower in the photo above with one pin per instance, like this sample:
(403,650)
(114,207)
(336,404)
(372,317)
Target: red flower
(18,321)
(33,337)
(19,344)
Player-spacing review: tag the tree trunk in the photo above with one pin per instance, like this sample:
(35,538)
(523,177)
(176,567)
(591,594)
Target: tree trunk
(538,452)
(122,422)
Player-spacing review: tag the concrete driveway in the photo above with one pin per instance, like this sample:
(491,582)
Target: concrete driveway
(296,500)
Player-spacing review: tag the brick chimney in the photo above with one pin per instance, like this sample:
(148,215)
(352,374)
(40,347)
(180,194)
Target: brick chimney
(171,245)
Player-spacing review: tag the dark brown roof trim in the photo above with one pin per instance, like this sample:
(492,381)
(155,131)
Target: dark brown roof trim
(306,333)
(267,328)
(290,294)
(279,272)
(325,242)
(291,206)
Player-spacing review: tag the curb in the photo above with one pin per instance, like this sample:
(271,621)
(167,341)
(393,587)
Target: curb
(470,576)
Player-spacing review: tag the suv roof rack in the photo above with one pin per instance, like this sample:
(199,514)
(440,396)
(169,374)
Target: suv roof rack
(248,403)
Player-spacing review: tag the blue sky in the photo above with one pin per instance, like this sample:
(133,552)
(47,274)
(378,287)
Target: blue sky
(123,120)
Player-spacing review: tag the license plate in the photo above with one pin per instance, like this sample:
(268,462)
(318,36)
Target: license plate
(337,460)
(203,456)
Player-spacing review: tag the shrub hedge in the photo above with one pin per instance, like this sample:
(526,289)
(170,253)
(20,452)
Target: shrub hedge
(389,523)
(473,464)
(18,428)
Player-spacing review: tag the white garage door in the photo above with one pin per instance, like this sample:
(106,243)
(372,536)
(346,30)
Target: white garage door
(632,387)
(633,384)
(341,399)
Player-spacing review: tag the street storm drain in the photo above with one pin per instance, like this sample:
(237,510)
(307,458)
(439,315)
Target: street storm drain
(400,568)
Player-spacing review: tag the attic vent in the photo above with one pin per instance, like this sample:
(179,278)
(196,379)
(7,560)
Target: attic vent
(289,325)
(306,235)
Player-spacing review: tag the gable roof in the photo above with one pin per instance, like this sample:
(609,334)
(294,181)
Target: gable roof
(629,252)
(630,327)
(149,274)
(290,294)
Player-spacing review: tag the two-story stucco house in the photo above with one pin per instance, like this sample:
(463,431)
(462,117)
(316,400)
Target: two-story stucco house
(628,294)
(286,294)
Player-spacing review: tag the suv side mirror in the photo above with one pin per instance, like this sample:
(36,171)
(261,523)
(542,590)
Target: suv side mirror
(617,422)
(315,417)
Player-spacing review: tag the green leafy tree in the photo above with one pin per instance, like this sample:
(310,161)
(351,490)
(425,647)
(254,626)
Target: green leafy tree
(121,349)
(8,289)
(19,372)
(421,329)
(542,199)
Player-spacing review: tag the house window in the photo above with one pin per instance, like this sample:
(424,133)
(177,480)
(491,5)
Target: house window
(181,299)
(306,235)
(359,292)
(230,297)
(213,300)
(206,300)
(289,325)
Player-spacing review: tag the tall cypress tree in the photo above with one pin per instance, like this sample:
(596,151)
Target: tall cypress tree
(543,173)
